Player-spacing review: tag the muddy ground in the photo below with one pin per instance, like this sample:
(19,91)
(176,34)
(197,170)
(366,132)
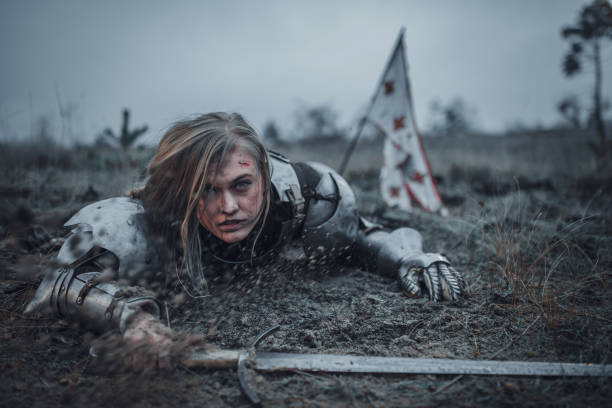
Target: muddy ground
(534,246)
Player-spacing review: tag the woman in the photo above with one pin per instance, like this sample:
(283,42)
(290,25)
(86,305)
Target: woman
(216,197)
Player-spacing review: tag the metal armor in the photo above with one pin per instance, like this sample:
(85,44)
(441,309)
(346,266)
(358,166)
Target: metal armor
(109,237)
(326,215)
(99,306)
(118,225)
(399,253)
(333,229)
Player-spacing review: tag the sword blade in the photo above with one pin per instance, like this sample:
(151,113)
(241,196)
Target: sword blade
(333,363)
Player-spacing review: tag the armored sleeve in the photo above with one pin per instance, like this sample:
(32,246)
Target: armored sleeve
(334,230)
(399,253)
(106,243)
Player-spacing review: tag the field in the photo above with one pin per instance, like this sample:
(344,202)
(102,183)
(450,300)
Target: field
(530,227)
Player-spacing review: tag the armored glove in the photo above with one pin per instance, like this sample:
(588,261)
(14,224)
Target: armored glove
(440,279)
(399,253)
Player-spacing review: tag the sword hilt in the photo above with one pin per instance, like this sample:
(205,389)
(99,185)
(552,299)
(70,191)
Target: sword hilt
(243,357)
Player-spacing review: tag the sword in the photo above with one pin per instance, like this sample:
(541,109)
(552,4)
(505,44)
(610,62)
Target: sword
(339,363)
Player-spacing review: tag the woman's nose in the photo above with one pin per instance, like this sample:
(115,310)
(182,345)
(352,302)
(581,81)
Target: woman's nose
(229,204)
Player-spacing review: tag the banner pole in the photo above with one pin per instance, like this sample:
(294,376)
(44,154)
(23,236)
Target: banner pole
(362,122)
(349,151)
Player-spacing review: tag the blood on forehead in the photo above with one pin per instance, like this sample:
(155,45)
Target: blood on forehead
(235,162)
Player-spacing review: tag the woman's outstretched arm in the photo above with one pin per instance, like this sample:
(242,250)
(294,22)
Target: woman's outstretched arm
(399,254)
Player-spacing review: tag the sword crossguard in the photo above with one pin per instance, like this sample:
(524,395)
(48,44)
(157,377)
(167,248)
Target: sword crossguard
(243,357)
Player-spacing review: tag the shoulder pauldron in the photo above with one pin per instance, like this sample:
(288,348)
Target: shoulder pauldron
(118,225)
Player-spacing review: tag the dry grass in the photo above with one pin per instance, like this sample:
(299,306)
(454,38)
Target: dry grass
(42,176)
(537,266)
(48,155)
(535,155)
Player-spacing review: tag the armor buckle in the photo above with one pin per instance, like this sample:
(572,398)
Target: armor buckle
(85,290)
(298,204)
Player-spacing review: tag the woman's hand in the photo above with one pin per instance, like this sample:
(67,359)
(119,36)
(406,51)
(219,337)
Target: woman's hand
(146,346)
(439,278)
(149,342)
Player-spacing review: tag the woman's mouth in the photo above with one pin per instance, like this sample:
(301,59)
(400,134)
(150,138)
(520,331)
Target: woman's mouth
(231,225)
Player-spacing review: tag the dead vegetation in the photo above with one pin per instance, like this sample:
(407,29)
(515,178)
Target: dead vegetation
(540,267)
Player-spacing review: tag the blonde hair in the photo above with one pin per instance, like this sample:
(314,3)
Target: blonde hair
(187,153)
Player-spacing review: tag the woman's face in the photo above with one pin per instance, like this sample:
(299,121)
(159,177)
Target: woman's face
(232,198)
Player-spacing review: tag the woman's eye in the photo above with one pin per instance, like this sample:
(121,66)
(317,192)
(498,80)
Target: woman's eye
(208,189)
(242,185)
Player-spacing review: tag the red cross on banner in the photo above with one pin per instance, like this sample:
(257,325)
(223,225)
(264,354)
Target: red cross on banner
(417,177)
(388,87)
(398,123)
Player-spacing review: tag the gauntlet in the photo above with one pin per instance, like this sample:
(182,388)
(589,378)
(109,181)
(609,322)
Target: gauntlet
(399,254)
(439,278)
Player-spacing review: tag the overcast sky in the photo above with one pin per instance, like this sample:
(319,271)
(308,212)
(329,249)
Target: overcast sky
(165,60)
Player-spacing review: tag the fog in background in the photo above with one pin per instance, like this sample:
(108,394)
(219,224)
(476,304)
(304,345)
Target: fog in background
(79,63)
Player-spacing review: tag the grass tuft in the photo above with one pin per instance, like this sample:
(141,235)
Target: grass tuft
(537,267)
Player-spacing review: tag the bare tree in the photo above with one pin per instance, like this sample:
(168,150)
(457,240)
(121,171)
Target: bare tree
(569,108)
(127,137)
(592,27)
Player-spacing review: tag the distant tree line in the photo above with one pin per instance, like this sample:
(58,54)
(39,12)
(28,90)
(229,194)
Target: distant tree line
(319,123)
(316,123)
(451,119)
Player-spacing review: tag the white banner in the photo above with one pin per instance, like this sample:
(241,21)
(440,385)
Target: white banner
(405,176)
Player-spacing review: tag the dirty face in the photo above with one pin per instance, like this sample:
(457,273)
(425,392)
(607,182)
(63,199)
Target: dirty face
(233,196)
